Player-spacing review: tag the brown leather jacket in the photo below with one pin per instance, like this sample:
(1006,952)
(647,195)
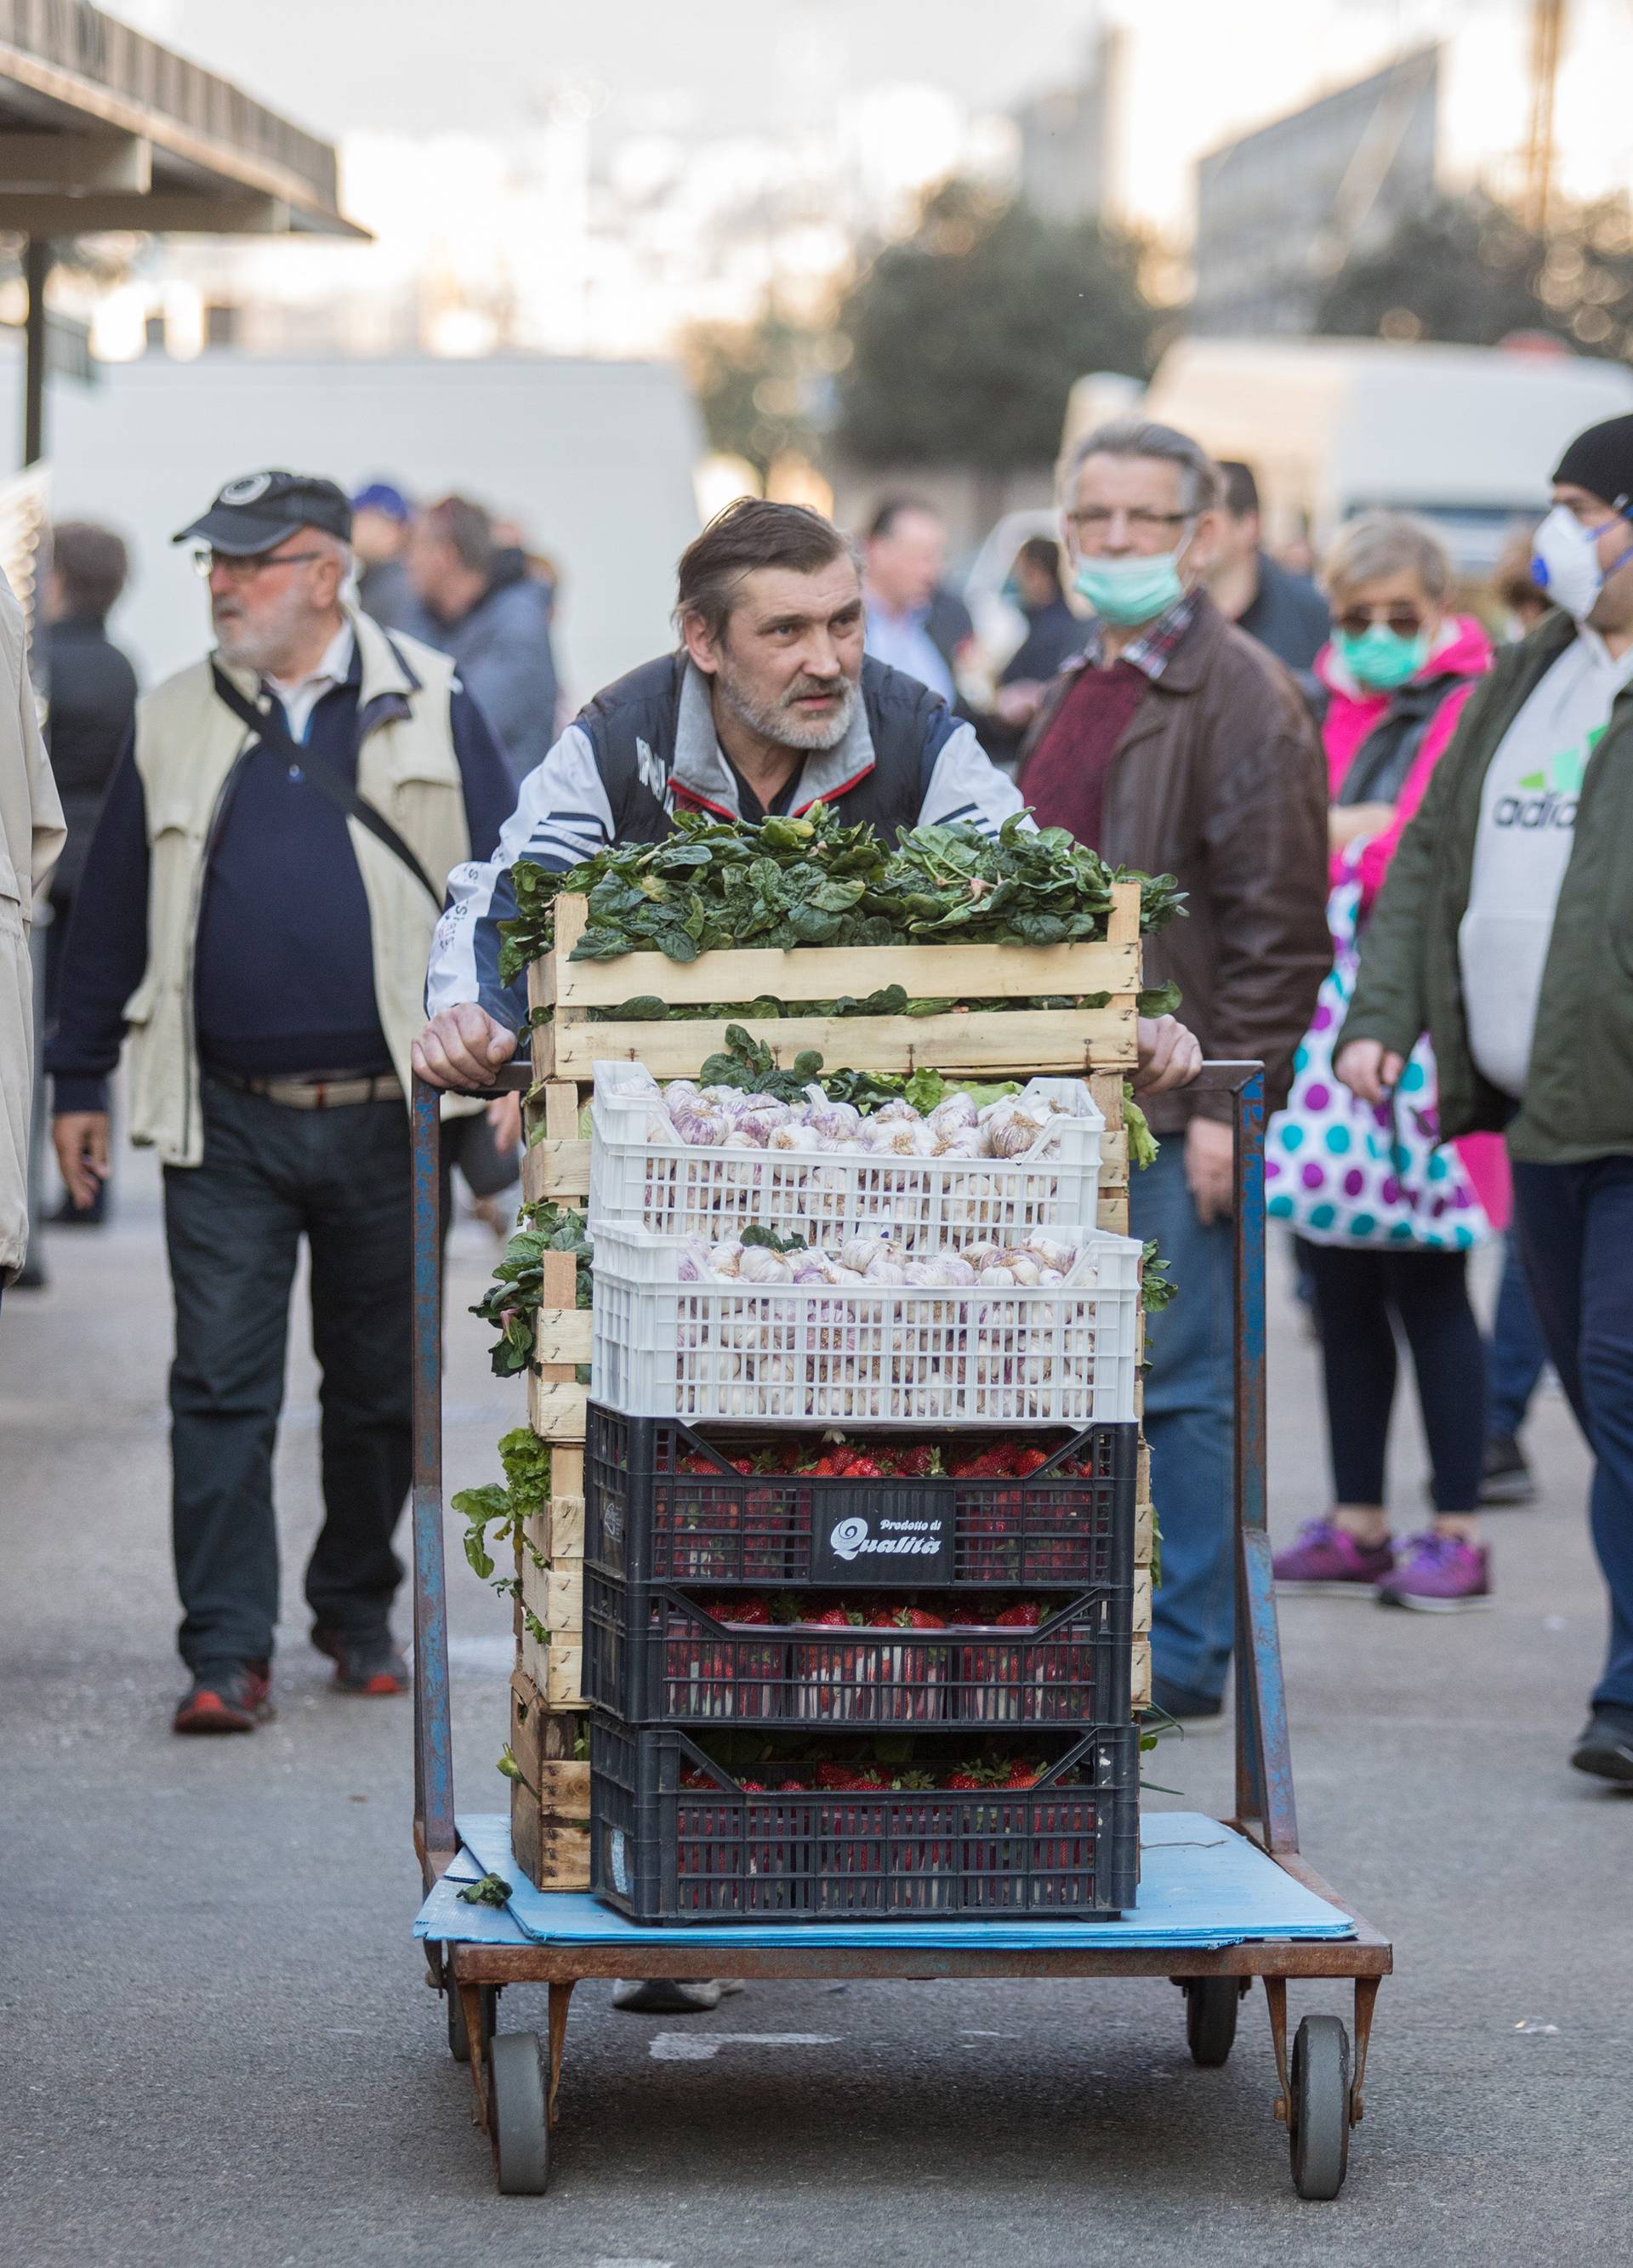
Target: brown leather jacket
(1219,780)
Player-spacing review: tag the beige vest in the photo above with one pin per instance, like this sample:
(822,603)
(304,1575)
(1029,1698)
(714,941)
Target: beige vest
(187,743)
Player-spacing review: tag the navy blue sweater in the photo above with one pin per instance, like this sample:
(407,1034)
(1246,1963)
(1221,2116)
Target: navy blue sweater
(284,978)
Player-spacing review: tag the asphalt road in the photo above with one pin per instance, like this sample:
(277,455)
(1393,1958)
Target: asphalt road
(219,2046)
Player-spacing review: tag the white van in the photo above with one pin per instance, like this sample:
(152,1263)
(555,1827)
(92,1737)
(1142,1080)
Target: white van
(1467,437)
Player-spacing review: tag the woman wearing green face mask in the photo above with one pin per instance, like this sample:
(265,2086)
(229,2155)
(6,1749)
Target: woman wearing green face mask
(1387,1248)
(1397,672)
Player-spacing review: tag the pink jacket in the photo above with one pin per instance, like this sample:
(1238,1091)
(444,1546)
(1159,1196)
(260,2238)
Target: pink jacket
(1465,652)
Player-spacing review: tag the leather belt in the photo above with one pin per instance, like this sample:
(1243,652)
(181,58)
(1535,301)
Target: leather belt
(339,1094)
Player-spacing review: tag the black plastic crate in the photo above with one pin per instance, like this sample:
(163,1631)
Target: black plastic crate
(652,1655)
(647,1519)
(662,1852)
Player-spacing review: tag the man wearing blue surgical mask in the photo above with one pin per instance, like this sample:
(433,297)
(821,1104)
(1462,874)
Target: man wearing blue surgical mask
(1506,930)
(1177,744)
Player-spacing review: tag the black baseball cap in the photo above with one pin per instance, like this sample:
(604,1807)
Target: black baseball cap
(258,509)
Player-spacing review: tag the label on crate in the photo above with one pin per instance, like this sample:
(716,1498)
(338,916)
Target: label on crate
(884,1547)
(618,1861)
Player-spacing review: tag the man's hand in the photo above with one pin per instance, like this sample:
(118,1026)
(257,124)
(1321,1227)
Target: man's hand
(463,1047)
(1210,1168)
(1170,1056)
(1369,1070)
(80,1137)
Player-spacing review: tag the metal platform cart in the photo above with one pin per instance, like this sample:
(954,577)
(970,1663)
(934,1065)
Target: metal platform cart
(1220,1902)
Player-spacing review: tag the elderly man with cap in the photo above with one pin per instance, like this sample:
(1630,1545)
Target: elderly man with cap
(1504,930)
(254,917)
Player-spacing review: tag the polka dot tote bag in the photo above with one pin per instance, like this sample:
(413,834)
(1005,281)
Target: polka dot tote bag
(1340,1172)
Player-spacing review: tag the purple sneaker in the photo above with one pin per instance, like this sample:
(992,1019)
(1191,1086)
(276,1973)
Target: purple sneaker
(1328,1559)
(1438,1575)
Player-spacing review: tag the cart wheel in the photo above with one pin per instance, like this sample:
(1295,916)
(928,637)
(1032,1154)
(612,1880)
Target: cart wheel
(520,2121)
(1318,2120)
(459,2045)
(1210,2006)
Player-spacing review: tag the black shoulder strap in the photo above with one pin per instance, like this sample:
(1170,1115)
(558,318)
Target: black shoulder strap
(269,726)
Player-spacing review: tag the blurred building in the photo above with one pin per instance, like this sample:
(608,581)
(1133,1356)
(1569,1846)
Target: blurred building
(1066,155)
(1278,210)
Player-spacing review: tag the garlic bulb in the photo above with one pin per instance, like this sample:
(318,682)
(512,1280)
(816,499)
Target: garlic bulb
(892,1114)
(957,1114)
(758,1265)
(1050,1275)
(993,1272)
(788,1136)
(1024,1271)
(1049,1251)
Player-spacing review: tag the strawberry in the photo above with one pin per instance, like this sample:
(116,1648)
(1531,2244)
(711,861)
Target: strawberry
(836,1617)
(836,1777)
(969,1776)
(751,1787)
(863,1468)
(1027,1461)
(1023,1775)
(1025,1614)
(921,1464)
(751,1610)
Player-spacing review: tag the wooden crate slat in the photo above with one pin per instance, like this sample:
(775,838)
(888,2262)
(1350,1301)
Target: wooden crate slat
(555,1409)
(933,972)
(1144,1533)
(551,1831)
(564,1673)
(563,1337)
(1141,1600)
(1052,1041)
(1112,1214)
(565,1540)
(558,1171)
(1140,1674)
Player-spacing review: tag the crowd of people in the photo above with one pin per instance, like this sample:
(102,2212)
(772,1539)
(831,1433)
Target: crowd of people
(292,897)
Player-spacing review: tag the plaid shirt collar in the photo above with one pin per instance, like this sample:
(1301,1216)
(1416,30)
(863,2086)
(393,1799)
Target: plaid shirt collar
(1153,649)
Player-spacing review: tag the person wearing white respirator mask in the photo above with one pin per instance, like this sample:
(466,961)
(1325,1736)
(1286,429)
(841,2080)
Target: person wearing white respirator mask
(1505,929)
(1178,744)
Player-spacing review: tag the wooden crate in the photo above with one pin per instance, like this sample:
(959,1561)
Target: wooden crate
(550,1802)
(1099,1043)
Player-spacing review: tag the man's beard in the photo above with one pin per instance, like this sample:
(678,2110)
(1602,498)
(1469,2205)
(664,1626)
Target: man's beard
(780,721)
(260,645)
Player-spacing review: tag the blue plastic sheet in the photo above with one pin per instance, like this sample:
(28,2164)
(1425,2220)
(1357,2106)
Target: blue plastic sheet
(1201,1885)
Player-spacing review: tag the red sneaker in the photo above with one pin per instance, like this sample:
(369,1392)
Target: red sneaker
(367,1662)
(234,1699)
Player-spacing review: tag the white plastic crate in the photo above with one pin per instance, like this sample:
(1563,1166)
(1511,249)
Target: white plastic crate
(676,1189)
(894,1355)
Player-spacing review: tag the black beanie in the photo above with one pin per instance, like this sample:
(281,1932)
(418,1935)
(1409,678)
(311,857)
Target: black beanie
(1601,461)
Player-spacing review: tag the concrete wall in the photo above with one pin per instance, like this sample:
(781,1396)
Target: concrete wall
(595,459)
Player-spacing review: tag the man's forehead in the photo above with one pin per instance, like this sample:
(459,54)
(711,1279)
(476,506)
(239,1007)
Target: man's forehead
(1570,492)
(1128,475)
(768,593)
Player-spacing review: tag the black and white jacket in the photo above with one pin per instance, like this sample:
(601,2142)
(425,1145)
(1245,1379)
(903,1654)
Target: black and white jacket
(646,747)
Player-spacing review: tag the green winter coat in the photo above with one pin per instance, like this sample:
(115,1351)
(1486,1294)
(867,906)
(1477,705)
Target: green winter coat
(1578,1098)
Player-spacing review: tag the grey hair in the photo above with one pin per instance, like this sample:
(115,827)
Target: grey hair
(1375,543)
(1200,482)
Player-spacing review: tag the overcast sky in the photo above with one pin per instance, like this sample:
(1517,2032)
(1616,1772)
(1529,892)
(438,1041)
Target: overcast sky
(412,66)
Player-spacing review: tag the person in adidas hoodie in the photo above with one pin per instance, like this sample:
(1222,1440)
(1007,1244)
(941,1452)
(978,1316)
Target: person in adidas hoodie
(1504,928)
(767,706)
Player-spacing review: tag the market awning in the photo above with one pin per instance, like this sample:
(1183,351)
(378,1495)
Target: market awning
(103,128)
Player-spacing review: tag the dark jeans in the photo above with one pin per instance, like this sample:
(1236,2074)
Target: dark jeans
(1575,1226)
(1516,1354)
(1360,1293)
(271,1176)
(1190,1425)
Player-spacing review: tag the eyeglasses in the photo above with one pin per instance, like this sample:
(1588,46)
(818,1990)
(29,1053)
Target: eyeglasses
(1094,520)
(240,568)
(1405,620)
